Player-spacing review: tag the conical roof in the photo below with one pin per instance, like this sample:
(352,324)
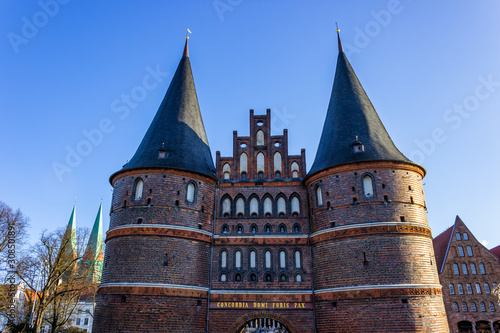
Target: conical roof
(93,256)
(68,243)
(352,120)
(177,130)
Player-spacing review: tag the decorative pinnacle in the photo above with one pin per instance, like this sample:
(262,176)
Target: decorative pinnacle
(186,50)
(341,49)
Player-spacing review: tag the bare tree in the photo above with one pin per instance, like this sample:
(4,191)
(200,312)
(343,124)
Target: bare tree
(13,228)
(64,277)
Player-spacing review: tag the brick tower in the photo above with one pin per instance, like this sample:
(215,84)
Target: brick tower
(157,260)
(373,259)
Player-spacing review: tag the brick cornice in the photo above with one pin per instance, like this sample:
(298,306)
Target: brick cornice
(376,291)
(370,229)
(159,231)
(159,171)
(152,289)
(361,166)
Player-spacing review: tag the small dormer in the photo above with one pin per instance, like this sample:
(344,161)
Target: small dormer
(162,152)
(358,146)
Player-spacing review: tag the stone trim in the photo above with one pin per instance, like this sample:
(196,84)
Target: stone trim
(377,291)
(153,289)
(145,230)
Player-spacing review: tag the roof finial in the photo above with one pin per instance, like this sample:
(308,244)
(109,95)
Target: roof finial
(186,50)
(341,49)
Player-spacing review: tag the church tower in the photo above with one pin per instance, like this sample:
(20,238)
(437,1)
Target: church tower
(373,259)
(157,260)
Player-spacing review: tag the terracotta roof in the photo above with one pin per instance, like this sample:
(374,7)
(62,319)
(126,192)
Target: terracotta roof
(496,251)
(440,244)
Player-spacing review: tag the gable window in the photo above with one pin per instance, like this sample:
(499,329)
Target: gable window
(473,268)
(226,169)
(190,193)
(277,162)
(464,269)
(260,164)
(492,307)
(461,251)
(460,289)
(452,289)
(469,251)
(260,138)
(295,170)
(464,307)
(478,288)
(481,268)
(458,236)
(368,186)
(469,289)
(455,307)
(243,165)
(473,307)
(465,236)
(139,186)
(295,206)
(483,306)
(487,288)
(455,269)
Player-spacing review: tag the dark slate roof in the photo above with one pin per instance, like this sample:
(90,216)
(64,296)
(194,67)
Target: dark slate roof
(351,115)
(178,128)
(441,244)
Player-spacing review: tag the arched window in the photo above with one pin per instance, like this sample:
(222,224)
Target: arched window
(473,268)
(269,277)
(139,186)
(481,268)
(298,278)
(268,228)
(268,259)
(226,170)
(226,207)
(465,236)
(260,138)
(225,229)
(483,306)
(487,288)
(472,306)
(464,307)
(277,162)
(237,259)
(492,307)
(281,206)
(243,164)
(295,170)
(253,277)
(268,207)
(458,236)
(253,229)
(368,186)
(260,163)
(282,229)
(469,288)
(452,289)
(283,277)
(296,228)
(469,251)
(239,229)
(455,269)
(460,289)
(240,207)
(223,277)
(295,206)
(298,260)
(319,196)
(464,269)
(478,288)
(223,259)
(254,207)
(455,307)
(461,251)
(237,277)
(253,259)
(282,259)
(190,192)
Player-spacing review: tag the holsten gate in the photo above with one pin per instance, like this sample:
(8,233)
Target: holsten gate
(255,243)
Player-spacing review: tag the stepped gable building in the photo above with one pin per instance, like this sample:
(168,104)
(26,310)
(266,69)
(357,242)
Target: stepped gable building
(469,274)
(256,243)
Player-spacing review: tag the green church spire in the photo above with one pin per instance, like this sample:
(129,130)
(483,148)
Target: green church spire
(94,251)
(69,239)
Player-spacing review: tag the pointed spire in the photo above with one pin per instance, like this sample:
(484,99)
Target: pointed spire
(176,137)
(186,49)
(341,49)
(94,250)
(69,238)
(353,131)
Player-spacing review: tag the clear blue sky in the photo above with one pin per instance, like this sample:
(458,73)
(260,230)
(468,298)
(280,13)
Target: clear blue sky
(431,69)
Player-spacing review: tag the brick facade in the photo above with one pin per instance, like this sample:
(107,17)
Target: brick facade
(468,287)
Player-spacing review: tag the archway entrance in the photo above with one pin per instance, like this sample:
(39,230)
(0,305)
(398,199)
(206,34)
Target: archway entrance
(264,325)
(262,322)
